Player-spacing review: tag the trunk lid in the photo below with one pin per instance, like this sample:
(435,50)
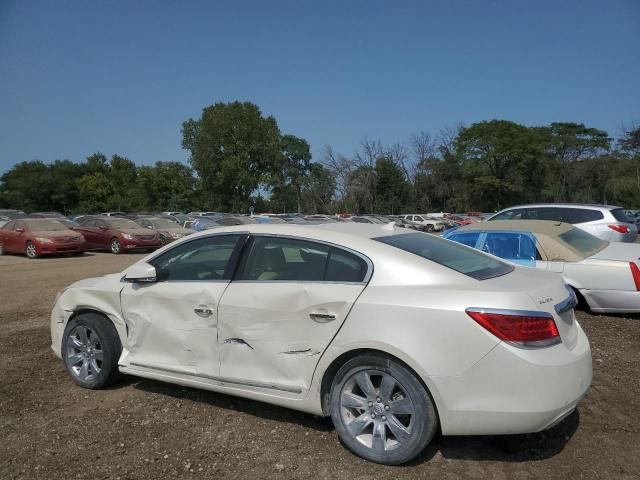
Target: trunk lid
(546,291)
(620,251)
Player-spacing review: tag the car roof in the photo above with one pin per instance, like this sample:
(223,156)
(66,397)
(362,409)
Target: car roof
(564,205)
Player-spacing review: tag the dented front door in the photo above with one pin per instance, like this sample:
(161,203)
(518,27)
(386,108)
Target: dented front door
(282,311)
(173,323)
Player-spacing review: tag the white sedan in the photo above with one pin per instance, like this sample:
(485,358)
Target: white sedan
(606,275)
(392,333)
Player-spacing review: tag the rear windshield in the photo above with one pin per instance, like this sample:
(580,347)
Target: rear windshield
(620,215)
(582,242)
(467,261)
(164,224)
(46,226)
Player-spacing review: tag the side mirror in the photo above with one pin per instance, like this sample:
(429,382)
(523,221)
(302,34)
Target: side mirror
(20,230)
(141,273)
(103,228)
(149,227)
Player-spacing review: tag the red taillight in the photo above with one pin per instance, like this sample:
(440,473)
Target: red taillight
(635,272)
(525,329)
(619,228)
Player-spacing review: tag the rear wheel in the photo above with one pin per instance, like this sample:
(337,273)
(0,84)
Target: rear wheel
(31,251)
(90,350)
(381,411)
(115,246)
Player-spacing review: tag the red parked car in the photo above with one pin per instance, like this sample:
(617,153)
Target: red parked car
(35,237)
(116,234)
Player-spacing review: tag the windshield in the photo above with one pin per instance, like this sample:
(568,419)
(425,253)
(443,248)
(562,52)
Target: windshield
(46,226)
(163,224)
(122,223)
(462,259)
(582,242)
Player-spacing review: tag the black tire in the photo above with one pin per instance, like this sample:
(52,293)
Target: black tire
(105,337)
(430,228)
(30,251)
(115,246)
(420,427)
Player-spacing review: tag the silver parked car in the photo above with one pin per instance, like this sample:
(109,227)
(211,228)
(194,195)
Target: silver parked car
(606,222)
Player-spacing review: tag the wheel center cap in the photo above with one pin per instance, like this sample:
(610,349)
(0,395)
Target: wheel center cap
(378,408)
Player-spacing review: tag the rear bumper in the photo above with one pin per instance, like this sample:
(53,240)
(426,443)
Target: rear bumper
(612,300)
(514,390)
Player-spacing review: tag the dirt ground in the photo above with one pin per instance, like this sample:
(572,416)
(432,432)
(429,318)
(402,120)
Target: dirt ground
(51,429)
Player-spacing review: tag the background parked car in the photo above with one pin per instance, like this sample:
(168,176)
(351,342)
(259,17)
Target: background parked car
(116,234)
(606,275)
(168,230)
(424,223)
(606,222)
(34,237)
(46,215)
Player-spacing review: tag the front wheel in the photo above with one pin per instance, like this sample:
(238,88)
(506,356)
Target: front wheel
(381,411)
(31,251)
(115,246)
(90,350)
(430,228)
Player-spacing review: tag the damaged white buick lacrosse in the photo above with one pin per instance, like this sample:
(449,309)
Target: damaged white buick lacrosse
(392,333)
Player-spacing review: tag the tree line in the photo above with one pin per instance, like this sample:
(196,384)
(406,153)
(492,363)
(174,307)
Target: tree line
(239,157)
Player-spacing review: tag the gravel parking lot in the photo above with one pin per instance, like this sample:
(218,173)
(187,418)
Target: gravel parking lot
(145,429)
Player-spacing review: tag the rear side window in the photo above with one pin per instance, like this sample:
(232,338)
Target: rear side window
(457,257)
(620,215)
(289,259)
(563,214)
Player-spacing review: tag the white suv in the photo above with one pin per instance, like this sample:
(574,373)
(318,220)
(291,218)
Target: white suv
(606,222)
(424,223)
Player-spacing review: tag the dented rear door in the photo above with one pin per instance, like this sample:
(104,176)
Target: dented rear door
(173,323)
(288,301)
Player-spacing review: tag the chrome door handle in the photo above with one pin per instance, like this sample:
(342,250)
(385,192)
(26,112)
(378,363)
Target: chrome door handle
(322,317)
(203,311)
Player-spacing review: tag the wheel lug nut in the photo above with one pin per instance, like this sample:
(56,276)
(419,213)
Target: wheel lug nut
(384,419)
(386,407)
(373,415)
(371,404)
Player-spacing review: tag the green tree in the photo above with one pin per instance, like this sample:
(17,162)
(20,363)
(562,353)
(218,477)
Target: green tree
(567,143)
(122,174)
(391,187)
(232,148)
(166,185)
(290,169)
(318,189)
(501,163)
(94,189)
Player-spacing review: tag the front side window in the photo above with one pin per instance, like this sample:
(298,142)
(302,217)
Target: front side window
(456,257)
(9,225)
(204,259)
(469,239)
(288,259)
(517,247)
(514,214)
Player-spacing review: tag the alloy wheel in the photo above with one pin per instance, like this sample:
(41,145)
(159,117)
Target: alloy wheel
(31,250)
(377,411)
(115,246)
(84,353)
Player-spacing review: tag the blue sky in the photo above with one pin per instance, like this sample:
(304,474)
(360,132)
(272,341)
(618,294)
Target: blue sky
(120,76)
